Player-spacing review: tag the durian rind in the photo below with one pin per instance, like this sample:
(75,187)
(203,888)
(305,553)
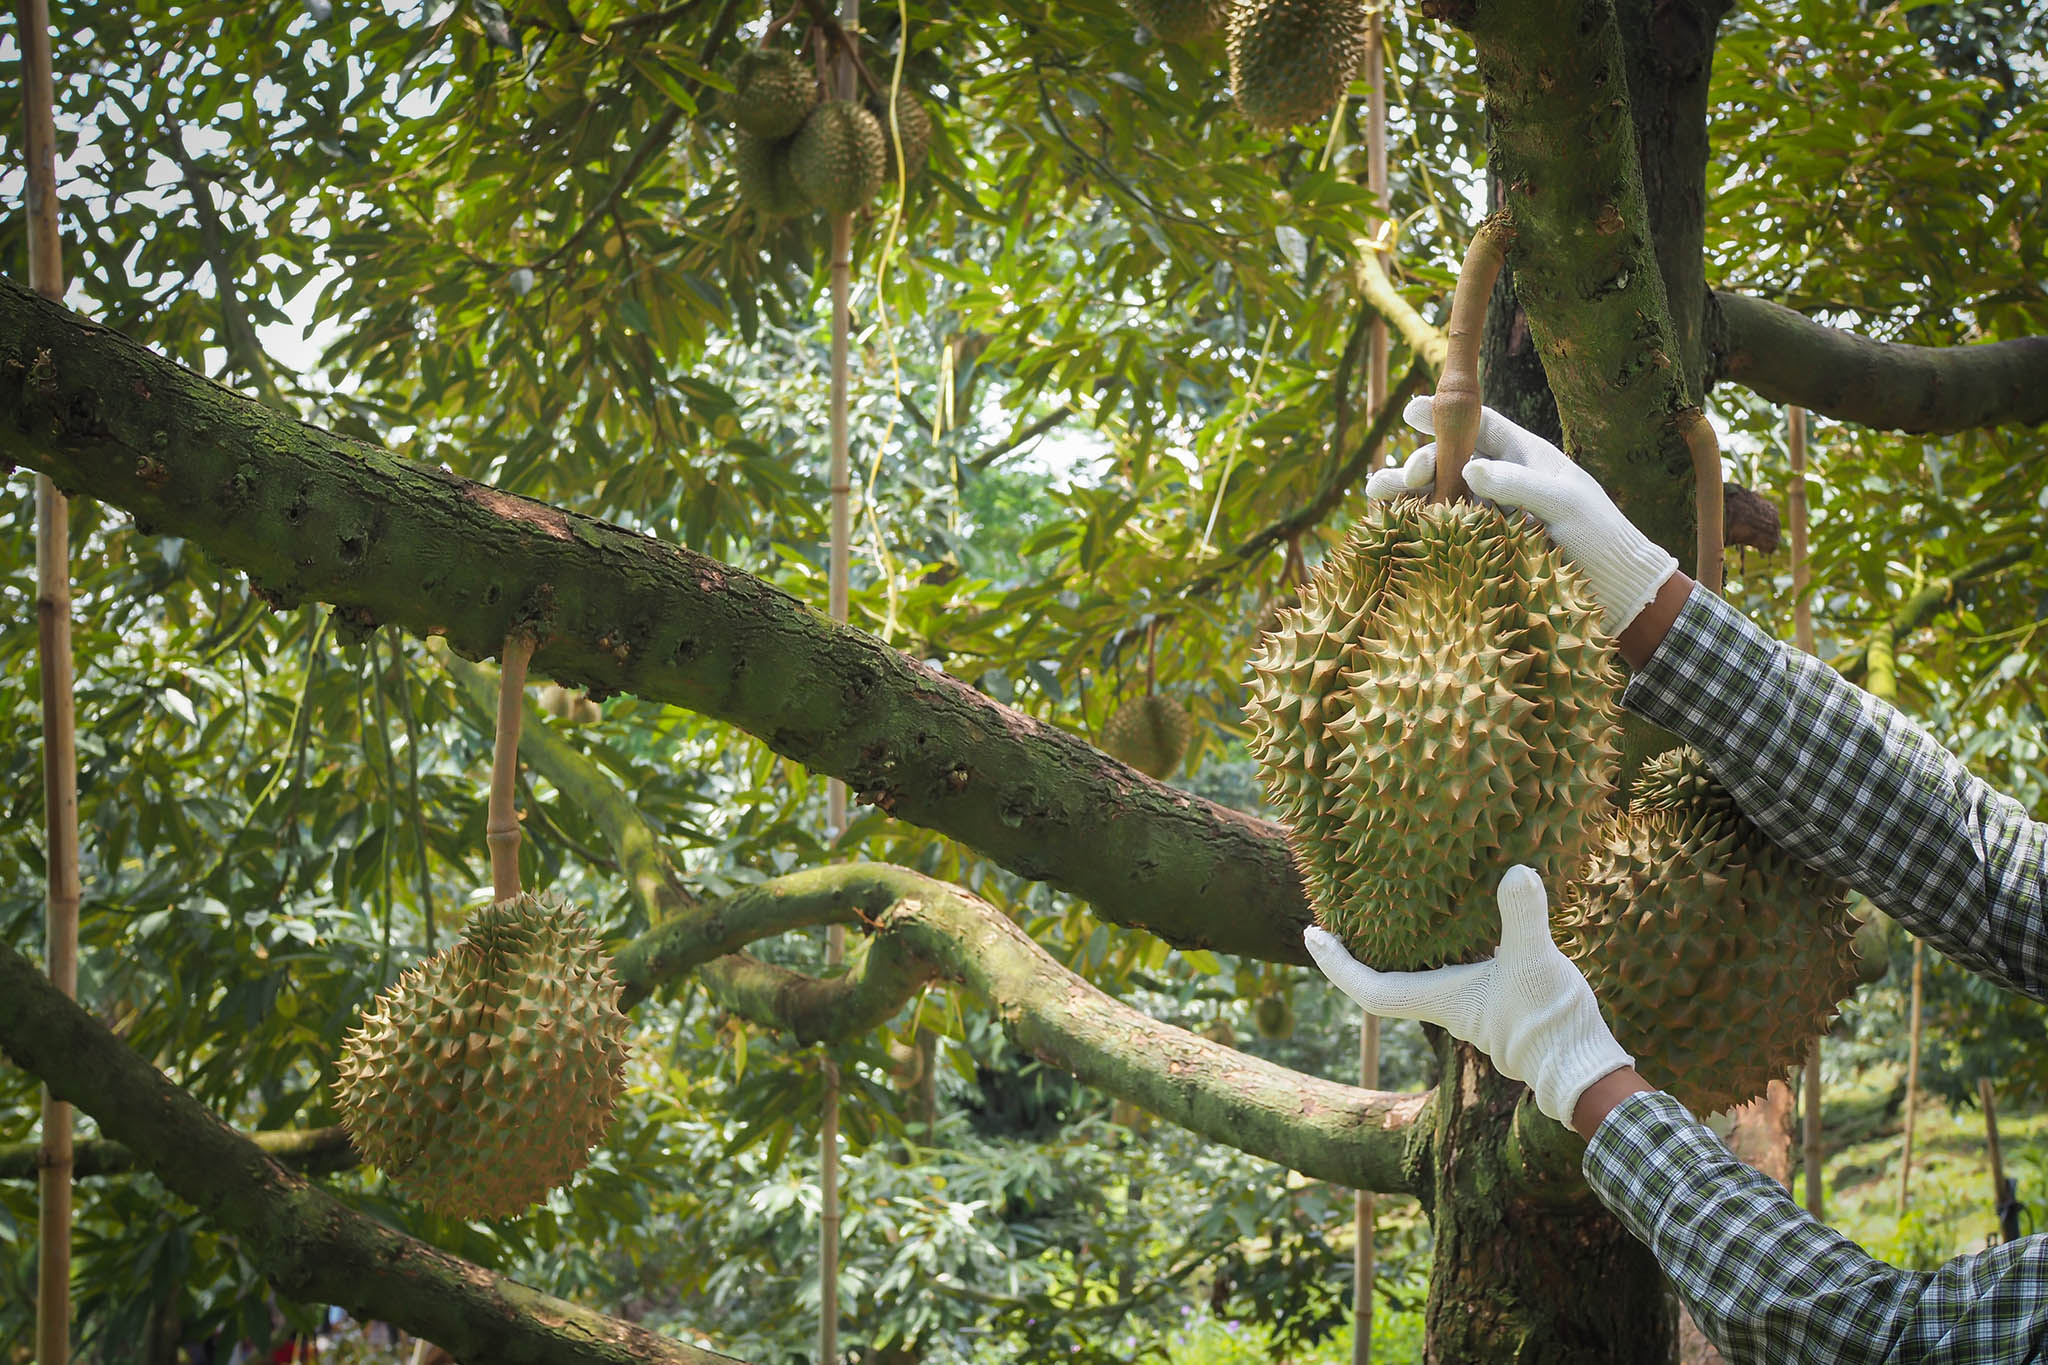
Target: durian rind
(481,1080)
(913,125)
(1438,708)
(1180,21)
(1716,957)
(772,92)
(1150,733)
(836,157)
(761,171)
(1291,60)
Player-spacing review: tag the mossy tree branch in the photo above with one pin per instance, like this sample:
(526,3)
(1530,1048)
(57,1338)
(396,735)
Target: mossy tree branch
(312,515)
(309,1151)
(1789,358)
(309,1244)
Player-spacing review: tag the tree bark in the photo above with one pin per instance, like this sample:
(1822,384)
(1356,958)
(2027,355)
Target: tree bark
(312,515)
(1789,358)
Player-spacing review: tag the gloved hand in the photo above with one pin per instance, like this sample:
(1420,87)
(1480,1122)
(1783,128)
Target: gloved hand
(1517,468)
(1527,1007)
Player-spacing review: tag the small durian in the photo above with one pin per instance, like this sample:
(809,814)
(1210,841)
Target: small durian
(761,171)
(836,157)
(771,94)
(1438,708)
(1291,60)
(1150,733)
(913,124)
(1180,21)
(482,1078)
(1273,1016)
(1716,956)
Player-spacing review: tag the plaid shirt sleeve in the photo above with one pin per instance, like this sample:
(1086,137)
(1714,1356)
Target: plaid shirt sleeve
(1770,1285)
(1845,783)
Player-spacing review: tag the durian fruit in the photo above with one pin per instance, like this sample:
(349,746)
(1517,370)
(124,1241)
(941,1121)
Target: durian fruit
(1180,21)
(576,708)
(761,170)
(481,1080)
(836,158)
(1291,60)
(772,92)
(1273,1016)
(1717,957)
(913,124)
(1150,733)
(1220,1031)
(1437,709)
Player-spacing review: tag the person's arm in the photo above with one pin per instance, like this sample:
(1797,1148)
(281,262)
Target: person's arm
(1768,1284)
(1845,783)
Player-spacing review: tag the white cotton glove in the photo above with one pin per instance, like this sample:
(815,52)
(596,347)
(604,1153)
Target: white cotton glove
(1517,468)
(1527,1007)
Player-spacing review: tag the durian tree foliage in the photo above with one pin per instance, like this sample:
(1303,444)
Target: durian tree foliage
(565,376)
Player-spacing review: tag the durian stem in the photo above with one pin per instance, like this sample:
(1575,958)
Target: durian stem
(501,831)
(1456,407)
(1705,449)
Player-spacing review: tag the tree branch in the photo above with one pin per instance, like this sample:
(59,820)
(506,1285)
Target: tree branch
(1789,358)
(310,514)
(309,1151)
(309,1244)
(1370,276)
(1920,608)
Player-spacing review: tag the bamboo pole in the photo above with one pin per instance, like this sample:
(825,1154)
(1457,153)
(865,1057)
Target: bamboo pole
(1365,1212)
(838,572)
(1997,1161)
(53,657)
(1912,1080)
(1802,635)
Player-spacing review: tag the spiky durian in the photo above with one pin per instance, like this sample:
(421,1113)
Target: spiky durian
(1290,60)
(1716,956)
(761,170)
(1180,21)
(913,124)
(772,92)
(1437,709)
(836,158)
(1150,733)
(481,1079)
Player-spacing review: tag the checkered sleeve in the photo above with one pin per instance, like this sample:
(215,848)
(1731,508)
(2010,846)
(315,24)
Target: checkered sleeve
(1844,782)
(1769,1285)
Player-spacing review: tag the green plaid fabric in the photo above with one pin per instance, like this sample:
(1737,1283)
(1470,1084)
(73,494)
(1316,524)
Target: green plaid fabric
(1845,782)
(1770,1286)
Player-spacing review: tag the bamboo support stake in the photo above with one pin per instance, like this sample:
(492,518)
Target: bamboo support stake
(53,654)
(837,574)
(501,830)
(1364,1210)
(1985,1097)
(1802,635)
(1912,1080)
(1454,412)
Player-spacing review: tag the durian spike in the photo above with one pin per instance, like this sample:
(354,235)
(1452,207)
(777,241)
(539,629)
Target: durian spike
(1706,476)
(501,830)
(1455,409)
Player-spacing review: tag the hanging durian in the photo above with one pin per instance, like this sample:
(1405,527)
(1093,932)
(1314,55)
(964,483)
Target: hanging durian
(1273,1016)
(913,125)
(1439,706)
(761,170)
(1291,60)
(1180,21)
(836,157)
(481,1080)
(1150,733)
(772,92)
(1717,957)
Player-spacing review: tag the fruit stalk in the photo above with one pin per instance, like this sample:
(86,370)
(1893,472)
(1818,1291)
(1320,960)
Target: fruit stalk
(501,830)
(1705,449)
(1455,409)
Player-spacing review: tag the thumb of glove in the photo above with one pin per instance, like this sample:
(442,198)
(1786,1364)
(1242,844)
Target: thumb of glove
(1450,997)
